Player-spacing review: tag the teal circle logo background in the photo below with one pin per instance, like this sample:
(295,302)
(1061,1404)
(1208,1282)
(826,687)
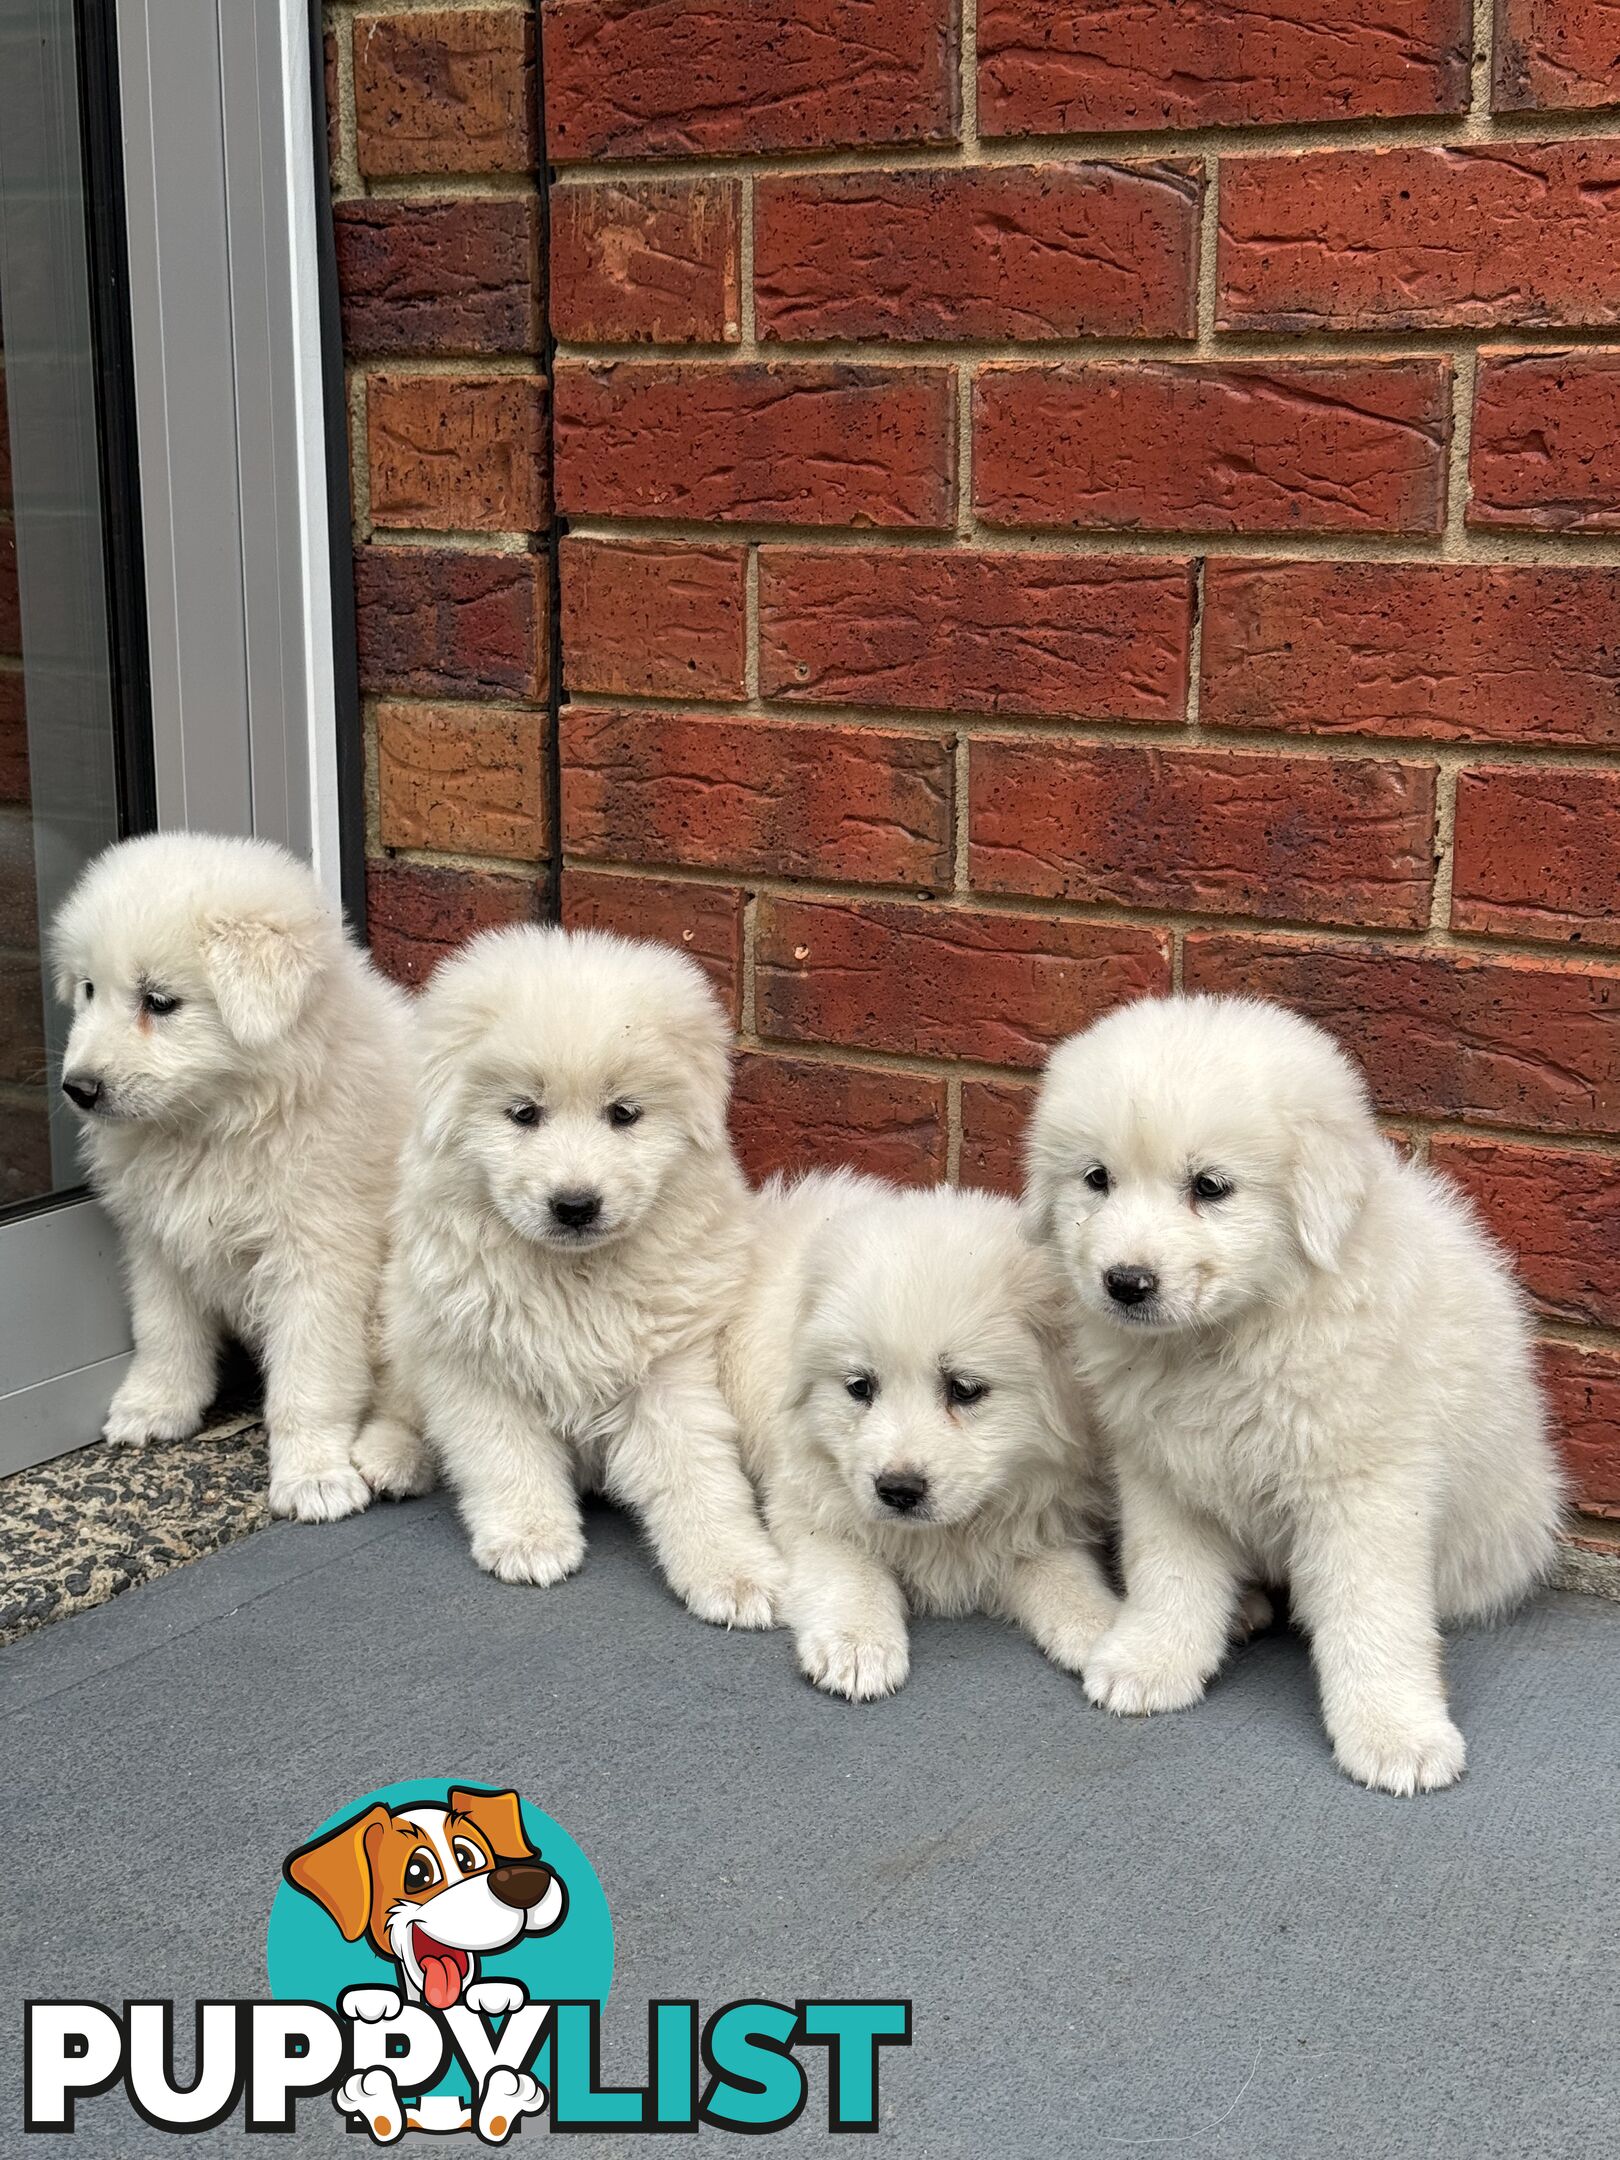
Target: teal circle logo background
(309,1961)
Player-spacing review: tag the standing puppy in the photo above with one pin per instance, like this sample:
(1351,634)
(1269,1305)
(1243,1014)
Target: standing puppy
(899,1373)
(1311,1363)
(570,1237)
(244,1080)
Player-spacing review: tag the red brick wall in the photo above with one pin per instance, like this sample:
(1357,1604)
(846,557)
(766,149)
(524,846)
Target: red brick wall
(1061,501)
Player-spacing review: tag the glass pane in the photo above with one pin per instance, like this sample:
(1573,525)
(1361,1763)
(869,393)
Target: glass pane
(58,719)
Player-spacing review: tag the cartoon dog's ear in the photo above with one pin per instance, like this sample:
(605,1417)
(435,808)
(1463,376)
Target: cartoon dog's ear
(336,1871)
(1333,1171)
(260,971)
(499,1815)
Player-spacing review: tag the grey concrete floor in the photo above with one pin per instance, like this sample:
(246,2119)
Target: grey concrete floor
(1189,1934)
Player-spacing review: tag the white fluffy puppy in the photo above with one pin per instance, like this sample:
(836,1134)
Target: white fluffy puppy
(900,1375)
(570,1235)
(1310,1361)
(244,1080)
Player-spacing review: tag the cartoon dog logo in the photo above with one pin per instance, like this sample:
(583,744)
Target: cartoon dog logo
(435,1888)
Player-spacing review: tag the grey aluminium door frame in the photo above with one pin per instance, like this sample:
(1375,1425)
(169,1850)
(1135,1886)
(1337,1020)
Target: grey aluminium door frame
(232,411)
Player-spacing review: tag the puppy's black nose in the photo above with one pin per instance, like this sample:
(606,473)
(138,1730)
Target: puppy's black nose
(1130,1285)
(519,1883)
(576,1210)
(82,1088)
(902,1491)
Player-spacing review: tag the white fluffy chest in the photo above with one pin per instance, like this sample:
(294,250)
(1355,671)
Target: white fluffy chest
(212,1214)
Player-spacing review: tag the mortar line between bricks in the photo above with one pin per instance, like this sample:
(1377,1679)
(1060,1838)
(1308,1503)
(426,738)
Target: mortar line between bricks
(359,459)
(970,150)
(1104,145)
(1258,347)
(1078,732)
(1527,548)
(1454,542)
(747,1032)
(953,1128)
(463,541)
(1590,963)
(1206,303)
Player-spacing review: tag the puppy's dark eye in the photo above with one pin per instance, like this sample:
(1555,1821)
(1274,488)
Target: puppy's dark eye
(421,1870)
(468,1858)
(1098,1179)
(89,993)
(960,1392)
(861,1386)
(1208,1186)
(524,1113)
(624,1113)
(159,1004)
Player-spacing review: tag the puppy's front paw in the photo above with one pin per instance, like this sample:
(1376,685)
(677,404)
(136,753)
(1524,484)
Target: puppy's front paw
(373,2097)
(1134,1674)
(318,1495)
(860,1667)
(1401,1755)
(1254,1614)
(395,1462)
(370,2005)
(530,1556)
(495,1998)
(143,1410)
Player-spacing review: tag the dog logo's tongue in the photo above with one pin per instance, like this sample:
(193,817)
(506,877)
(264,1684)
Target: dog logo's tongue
(443,1970)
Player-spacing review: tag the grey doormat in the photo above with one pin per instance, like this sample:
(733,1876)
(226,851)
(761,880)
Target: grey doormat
(76,1531)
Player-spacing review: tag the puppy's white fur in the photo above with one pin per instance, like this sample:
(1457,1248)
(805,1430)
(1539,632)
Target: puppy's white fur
(537,1358)
(902,1291)
(245,1142)
(1331,1385)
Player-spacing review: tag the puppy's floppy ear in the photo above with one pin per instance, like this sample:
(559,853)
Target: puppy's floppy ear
(499,1815)
(260,969)
(336,1870)
(1335,1155)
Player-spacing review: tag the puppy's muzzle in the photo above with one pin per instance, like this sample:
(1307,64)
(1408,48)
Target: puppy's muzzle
(519,1883)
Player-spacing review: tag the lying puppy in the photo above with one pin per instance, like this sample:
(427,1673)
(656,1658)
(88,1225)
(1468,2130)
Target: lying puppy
(1310,1361)
(570,1236)
(244,1080)
(898,1373)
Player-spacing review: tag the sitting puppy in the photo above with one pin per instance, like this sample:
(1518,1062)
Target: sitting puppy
(898,1372)
(244,1081)
(1310,1361)
(570,1235)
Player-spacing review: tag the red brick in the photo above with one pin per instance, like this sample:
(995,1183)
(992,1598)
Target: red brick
(415,913)
(797,1114)
(1283,446)
(1018,252)
(1071,636)
(437,622)
(1467,236)
(783,798)
(1449,652)
(458,453)
(654,619)
(704,921)
(796,444)
(1051,67)
(646,261)
(1537,854)
(467,779)
(1345,840)
(943,982)
(447,91)
(1554,55)
(1556,1210)
(995,1114)
(1583,1388)
(1487,1042)
(13,737)
(1546,442)
(681,78)
(456,276)
(10,599)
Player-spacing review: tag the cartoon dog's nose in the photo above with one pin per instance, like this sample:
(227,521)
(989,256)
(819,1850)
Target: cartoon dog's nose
(1130,1285)
(82,1088)
(901,1491)
(576,1210)
(519,1883)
